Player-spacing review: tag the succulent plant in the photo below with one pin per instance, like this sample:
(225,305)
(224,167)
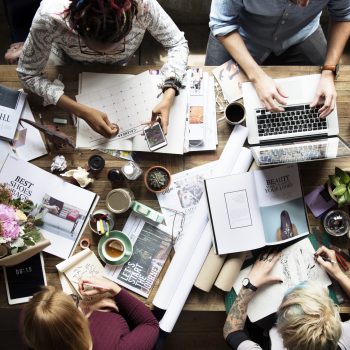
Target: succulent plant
(340,186)
(158,178)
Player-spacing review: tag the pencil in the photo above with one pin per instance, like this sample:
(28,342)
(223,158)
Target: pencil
(94,285)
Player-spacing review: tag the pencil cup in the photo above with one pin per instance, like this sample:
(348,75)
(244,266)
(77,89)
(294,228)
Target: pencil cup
(235,113)
(101,221)
(119,200)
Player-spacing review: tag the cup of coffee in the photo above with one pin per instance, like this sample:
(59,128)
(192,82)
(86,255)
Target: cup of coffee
(234,113)
(113,249)
(119,200)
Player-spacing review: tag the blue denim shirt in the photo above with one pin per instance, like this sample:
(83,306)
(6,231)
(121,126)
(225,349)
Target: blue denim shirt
(272,25)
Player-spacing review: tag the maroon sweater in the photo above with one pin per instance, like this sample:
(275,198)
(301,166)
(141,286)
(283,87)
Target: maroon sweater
(133,328)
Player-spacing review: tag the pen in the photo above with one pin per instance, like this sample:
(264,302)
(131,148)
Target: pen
(325,258)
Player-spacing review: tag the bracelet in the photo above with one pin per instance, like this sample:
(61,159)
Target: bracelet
(172,83)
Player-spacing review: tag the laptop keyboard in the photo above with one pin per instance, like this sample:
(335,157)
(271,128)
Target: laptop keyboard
(295,119)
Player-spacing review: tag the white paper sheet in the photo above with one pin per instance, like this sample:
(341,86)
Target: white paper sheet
(296,265)
(180,262)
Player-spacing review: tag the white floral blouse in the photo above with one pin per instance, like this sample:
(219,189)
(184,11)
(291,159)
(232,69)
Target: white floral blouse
(50,34)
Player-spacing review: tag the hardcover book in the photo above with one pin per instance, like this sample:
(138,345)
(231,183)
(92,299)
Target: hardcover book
(11,106)
(152,245)
(64,208)
(255,209)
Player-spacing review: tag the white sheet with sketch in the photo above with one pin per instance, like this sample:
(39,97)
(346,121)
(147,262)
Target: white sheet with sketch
(296,265)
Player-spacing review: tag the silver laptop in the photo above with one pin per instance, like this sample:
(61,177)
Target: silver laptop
(297,121)
(296,135)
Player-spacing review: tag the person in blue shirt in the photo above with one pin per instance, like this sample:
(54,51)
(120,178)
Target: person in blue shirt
(282,32)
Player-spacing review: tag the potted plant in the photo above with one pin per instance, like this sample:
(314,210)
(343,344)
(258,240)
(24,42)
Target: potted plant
(157,179)
(19,236)
(339,187)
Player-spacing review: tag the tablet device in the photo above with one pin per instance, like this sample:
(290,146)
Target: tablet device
(24,279)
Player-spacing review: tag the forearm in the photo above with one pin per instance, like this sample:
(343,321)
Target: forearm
(235,45)
(344,282)
(238,313)
(71,106)
(338,37)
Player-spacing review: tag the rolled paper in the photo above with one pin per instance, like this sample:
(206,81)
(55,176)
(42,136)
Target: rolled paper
(230,271)
(209,271)
(84,243)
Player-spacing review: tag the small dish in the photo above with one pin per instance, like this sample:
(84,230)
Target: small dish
(127,243)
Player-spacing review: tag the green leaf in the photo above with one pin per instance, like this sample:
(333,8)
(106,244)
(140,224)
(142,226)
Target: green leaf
(339,190)
(335,180)
(343,175)
(347,197)
(341,200)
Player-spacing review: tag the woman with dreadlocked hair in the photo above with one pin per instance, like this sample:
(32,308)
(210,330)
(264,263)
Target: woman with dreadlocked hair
(99,31)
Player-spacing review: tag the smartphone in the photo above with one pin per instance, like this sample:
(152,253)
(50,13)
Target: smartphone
(24,279)
(155,137)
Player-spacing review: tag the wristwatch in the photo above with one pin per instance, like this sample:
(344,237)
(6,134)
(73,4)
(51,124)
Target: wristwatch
(246,284)
(333,68)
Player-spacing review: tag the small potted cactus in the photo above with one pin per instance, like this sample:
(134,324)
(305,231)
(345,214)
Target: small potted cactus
(157,179)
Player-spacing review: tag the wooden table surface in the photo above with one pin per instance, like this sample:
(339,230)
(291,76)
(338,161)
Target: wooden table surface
(312,173)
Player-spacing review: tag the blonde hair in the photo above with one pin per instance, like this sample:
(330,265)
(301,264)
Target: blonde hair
(52,321)
(308,319)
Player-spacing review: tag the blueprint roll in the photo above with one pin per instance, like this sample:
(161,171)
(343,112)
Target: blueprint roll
(193,233)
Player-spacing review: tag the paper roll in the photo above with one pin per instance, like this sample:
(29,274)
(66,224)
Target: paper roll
(209,271)
(230,271)
(193,233)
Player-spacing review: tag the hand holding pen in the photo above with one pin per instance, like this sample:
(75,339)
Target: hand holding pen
(327,258)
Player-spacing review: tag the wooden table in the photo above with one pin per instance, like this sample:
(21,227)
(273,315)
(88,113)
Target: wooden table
(312,173)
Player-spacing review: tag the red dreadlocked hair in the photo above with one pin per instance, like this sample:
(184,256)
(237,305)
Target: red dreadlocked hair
(105,21)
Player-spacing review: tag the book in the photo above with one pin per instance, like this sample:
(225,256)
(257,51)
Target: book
(296,265)
(84,264)
(27,143)
(11,106)
(230,80)
(254,209)
(152,245)
(64,207)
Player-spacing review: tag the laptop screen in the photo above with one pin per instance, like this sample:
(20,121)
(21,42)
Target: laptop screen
(300,151)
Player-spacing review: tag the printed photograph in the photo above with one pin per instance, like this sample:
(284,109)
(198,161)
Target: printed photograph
(196,81)
(196,115)
(61,218)
(189,190)
(284,221)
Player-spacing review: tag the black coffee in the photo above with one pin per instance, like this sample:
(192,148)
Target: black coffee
(234,113)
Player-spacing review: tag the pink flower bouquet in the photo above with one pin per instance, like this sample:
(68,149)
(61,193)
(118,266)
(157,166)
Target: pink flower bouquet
(18,229)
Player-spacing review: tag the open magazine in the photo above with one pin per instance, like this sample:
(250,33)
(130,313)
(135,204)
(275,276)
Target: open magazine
(152,245)
(254,209)
(64,208)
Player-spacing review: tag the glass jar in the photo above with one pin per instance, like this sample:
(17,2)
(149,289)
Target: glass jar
(131,170)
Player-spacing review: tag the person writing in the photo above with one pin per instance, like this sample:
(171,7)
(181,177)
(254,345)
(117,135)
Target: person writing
(113,319)
(306,319)
(279,32)
(99,31)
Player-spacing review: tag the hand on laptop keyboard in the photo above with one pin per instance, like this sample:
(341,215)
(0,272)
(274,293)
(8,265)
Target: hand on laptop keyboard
(325,94)
(270,93)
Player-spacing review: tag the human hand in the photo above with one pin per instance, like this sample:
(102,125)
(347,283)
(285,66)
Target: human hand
(270,93)
(94,285)
(162,109)
(13,52)
(260,275)
(328,260)
(99,122)
(325,94)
